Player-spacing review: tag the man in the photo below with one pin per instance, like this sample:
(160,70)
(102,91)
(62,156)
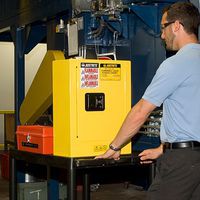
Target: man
(176,84)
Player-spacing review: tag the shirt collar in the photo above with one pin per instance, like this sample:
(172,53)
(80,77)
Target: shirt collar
(188,46)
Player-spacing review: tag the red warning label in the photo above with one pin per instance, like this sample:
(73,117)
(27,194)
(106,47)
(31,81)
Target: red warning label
(89,75)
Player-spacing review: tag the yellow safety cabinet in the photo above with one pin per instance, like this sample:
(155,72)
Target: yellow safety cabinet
(91,99)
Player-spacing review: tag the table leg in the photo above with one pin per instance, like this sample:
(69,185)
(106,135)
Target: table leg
(86,186)
(13,179)
(71,181)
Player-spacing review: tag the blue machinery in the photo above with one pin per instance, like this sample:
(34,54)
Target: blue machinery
(126,30)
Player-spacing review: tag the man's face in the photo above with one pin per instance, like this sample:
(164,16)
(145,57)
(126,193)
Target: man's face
(167,34)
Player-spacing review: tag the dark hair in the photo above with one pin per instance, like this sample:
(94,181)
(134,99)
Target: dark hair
(186,13)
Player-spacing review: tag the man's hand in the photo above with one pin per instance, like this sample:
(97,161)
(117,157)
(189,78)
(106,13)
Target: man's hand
(109,154)
(148,155)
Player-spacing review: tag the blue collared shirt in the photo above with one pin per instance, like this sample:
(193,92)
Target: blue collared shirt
(176,84)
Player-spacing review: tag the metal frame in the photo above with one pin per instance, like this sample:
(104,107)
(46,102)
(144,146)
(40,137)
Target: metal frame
(19,42)
(70,164)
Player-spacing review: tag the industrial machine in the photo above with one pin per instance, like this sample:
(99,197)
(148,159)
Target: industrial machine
(115,30)
(91,96)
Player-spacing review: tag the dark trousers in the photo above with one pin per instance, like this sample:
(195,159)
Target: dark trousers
(177,176)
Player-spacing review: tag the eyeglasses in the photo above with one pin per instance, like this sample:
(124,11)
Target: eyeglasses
(165,25)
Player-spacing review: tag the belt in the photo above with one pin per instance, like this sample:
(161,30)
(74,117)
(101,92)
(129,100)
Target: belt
(181,145)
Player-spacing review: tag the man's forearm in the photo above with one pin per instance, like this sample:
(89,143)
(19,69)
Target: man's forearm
(131,125)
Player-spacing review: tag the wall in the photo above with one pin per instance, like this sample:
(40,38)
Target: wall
(32,62)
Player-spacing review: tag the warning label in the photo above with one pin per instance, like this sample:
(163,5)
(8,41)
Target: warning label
(89,75)
(110,72)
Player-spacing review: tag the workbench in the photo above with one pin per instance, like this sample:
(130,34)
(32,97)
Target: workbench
(70,164)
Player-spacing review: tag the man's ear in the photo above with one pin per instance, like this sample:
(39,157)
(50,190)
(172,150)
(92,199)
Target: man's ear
(176,26)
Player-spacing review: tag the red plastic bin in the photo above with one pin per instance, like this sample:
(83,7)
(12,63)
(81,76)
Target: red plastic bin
(5,165)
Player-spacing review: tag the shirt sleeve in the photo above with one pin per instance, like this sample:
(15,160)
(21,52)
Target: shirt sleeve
(167,78)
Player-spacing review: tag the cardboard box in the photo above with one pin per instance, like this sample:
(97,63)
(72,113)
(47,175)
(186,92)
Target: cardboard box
(36,139)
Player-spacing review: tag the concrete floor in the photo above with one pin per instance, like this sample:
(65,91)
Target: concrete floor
(118,192)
